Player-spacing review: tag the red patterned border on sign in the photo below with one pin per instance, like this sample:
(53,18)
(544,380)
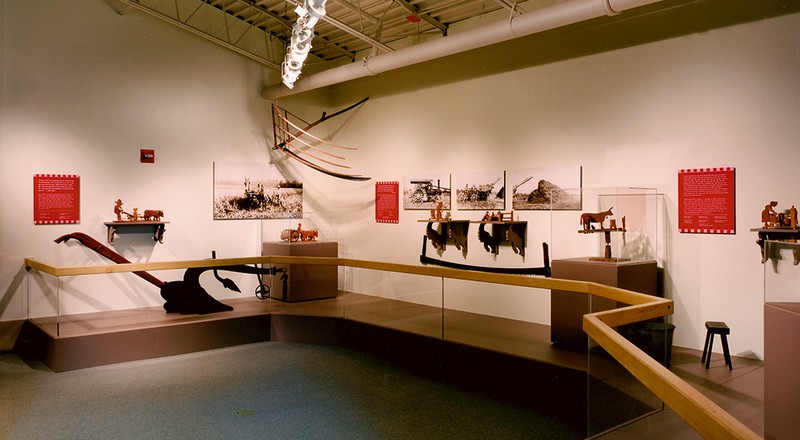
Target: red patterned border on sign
(387,202)
(707,200)
(56,199)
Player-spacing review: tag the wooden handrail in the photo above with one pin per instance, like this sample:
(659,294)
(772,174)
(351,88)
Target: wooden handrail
(702,414)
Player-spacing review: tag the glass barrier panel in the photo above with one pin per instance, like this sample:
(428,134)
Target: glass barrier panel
(508,319)
(43,300)
(406,302)
(614,396)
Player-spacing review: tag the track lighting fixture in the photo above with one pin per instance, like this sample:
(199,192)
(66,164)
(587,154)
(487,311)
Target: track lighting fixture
(302,34)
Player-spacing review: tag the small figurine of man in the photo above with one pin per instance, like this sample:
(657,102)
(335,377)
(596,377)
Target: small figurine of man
(793,220)
(768,214)
(118,209)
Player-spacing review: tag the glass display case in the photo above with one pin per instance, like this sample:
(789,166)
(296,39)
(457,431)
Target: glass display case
(607,224)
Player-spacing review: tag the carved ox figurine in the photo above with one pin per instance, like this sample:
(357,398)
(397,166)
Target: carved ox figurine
(599,217)
(153,215)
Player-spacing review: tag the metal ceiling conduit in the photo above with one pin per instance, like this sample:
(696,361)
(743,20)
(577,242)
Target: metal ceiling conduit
(552,17)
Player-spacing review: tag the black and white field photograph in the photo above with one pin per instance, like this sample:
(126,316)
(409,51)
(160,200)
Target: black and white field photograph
(546,188)
(426,191)
(480,190)
(247,191)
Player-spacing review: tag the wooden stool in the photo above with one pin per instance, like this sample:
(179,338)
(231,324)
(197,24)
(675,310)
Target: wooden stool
(716,328)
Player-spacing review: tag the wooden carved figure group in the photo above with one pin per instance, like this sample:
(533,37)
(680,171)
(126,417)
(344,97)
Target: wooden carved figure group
(772,219)
(153,215)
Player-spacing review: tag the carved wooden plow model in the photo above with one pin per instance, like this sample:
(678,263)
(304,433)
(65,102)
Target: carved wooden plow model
(291,135)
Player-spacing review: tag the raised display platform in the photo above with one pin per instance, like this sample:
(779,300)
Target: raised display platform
(490,354)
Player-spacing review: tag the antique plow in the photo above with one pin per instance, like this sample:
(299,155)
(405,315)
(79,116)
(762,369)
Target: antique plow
(291,136)
(186,296)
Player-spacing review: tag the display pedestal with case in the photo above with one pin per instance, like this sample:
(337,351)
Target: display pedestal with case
(781,347)
(305,282)
(567,308)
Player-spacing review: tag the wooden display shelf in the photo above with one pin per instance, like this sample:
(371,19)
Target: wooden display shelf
(158,229)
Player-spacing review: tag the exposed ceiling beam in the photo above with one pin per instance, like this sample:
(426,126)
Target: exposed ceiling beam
(417,13)
(136,5)
(358,11)
(338,24)
(289,25)
(510,4)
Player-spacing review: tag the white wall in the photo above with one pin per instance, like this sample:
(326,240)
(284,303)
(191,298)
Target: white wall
(728,97)
(84,89)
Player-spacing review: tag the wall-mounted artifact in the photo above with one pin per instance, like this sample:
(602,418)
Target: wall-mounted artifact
(778,220)
(515,235)
(457,231)
(186,296)
(291,136)
(150,217)
(437,215)
(490,242)
(588,221)
(777,225)
(543,270)
(503,229)
(546,188)
(299,234)
(438,239)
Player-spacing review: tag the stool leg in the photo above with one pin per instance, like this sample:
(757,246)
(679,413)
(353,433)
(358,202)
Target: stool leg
(726,352)
(710,346)
(705,348)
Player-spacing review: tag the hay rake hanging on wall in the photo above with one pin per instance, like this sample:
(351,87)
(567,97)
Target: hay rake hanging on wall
(291,135)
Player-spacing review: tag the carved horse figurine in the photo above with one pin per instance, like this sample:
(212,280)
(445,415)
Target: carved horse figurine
(458,232)
(516,240)
(489,242)
(438,240)
(599,217)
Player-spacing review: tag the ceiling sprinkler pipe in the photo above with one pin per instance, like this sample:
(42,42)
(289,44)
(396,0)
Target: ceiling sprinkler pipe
(551,17)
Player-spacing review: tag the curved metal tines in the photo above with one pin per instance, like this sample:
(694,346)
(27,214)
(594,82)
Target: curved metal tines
(290,138)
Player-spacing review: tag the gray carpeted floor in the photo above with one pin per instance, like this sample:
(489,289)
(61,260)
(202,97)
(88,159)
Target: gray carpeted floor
(270,390)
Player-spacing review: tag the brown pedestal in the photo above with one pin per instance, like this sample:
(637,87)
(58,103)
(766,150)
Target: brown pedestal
(781,358)
(567,308)
(306,282)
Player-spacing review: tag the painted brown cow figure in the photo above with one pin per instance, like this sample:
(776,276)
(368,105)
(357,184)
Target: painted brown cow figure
(598,217)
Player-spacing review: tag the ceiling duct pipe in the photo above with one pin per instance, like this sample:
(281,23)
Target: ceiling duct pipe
(551,17)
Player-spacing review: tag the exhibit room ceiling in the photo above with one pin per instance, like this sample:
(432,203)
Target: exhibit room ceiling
(354,30)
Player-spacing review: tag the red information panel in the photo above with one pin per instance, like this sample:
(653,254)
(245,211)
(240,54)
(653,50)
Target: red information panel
(707,200)
(387,202)
(56,199)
